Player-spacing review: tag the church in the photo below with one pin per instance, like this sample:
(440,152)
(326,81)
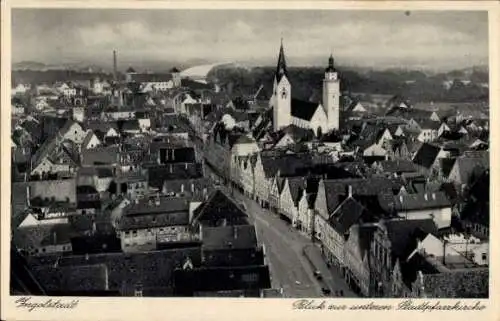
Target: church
(320,117)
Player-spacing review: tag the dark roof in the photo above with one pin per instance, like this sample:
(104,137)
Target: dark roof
(100,156)
(468,165)
(398,166)
(22,280)
(286,164)
(221,279)
(296,186)
(281,68)
(152,269)
(401,234)
(470,283)
(229,237)
(360,187)
(157,205)
(426,155)
(130,70)
(220,209)
(158,174)
(174,70)
(446,165)
(348,213)
(303,109)
(420,201)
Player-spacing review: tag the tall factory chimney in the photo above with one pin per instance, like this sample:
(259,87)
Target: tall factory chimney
(114,65)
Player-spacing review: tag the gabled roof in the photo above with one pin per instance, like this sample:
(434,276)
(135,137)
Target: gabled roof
(296,186)
(403,235)
(88,137)
(426,155)
(218,208)
(303,109)
(336,188)
(348,213)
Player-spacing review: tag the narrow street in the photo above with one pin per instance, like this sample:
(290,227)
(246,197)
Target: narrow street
(286,249)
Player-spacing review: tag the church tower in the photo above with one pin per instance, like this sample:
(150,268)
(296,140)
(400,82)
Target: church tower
(331,95)
(281,99)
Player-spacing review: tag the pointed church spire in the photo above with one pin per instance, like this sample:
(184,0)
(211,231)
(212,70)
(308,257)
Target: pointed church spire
(331,65)
(281,66)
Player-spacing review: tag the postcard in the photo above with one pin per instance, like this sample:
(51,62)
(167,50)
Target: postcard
(247,160)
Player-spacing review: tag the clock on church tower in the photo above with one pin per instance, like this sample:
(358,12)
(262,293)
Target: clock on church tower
(283,93)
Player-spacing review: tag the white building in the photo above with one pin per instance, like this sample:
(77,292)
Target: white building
(321,118)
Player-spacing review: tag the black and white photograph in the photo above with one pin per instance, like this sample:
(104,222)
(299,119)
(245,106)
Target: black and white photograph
(267,153)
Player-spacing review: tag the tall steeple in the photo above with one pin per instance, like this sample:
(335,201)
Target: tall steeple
(331,66)
(281,66)
(331,95)
(282,90)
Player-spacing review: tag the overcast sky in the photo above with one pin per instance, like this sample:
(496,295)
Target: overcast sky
(432,39)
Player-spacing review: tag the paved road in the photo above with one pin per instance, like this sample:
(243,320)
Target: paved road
(290,268)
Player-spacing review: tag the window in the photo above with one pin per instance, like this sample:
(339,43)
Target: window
(250,277)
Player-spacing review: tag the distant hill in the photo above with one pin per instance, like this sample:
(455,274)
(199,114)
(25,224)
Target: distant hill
(307,82)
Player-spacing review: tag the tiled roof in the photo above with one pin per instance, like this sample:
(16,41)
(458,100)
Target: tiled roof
(419,201)
(338,187)
(467,165)
(402,235)
(152,269)
(80,278)
(286,164)
(303,109)
(446,165)
(429,124)
(219,208)
(471,283)
(87,138)
(229,237)
(158,174)
(296,186)
(100,156)
(398,166)
(221,279)
(426,155)
(348,213)
(157,205)
(59,234)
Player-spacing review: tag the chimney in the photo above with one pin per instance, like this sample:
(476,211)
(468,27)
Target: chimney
(28,196)
(182,188)
(185,166)
(349,191)
(425,196)
(94,227)
(114,66)
(192,188)
(434,196)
